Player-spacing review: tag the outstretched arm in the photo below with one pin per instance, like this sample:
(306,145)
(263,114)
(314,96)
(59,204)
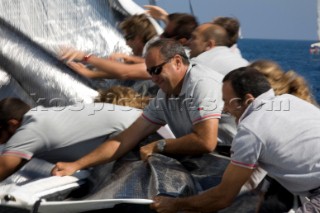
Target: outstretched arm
(9,164)
(157,13)
(128,59)
(112,69)
(110,150)
(211,200)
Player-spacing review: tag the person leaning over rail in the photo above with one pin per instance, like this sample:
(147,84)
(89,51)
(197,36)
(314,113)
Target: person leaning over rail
(57,133)
(189,101)
(279,133)
(137,30)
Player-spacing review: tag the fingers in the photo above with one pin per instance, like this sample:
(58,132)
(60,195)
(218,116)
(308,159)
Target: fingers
(56,170)
(70,54)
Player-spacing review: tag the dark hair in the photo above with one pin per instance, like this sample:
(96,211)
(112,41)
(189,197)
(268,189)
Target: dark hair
(246,80)
(184,24)
(231,25)
(12,108)
(169,48)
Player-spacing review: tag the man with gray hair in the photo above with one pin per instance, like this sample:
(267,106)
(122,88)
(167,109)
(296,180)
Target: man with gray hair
(189,101)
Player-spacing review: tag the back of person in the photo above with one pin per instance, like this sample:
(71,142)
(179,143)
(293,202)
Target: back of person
(68,133)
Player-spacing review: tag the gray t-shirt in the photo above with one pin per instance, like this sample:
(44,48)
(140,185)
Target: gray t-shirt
(68,133)
(281,134)
(200,99)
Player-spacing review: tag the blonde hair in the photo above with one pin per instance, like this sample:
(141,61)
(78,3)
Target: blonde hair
(139,25)
(284,82)
(124,96)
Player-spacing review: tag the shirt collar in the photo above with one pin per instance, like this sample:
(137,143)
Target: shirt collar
(257,103)
(184,84)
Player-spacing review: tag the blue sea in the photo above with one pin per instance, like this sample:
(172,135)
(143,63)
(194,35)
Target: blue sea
(290,54)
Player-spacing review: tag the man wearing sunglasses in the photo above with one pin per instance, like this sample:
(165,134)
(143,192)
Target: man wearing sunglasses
(189,101)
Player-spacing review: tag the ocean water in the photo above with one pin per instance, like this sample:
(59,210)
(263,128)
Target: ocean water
(290,54)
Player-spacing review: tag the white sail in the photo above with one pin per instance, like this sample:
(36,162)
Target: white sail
(315,47)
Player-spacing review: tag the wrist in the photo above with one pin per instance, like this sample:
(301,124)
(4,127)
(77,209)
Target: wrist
(86,57)
(161,144)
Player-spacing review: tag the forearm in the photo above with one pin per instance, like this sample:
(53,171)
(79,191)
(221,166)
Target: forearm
(120,70)
(202,139)
(105,153)
(208,201)
(189,145)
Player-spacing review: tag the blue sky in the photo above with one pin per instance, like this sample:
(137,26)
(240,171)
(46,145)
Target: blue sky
(267,19)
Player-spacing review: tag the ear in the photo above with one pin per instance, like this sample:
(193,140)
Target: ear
(210,44)
(13,125)
(248,99)
(183,41)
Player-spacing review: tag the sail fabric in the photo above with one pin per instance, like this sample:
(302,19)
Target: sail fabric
(31,35)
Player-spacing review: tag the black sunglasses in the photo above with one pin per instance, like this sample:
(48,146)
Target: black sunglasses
(156,70)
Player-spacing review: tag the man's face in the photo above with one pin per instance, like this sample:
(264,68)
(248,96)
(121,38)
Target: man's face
(197,44)
(165,75)
(232,104)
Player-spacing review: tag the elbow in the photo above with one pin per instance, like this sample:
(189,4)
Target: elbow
(208,146)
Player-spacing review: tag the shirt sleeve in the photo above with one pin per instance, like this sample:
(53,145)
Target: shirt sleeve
(24,144)
(206,100)
(246,149)
(154,111)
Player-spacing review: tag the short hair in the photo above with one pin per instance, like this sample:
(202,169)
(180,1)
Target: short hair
(169,48)
(231,25)
(184,24)
(12,108)
(284,82)
(124,96)
(139,25)
(217,33)
(247,80)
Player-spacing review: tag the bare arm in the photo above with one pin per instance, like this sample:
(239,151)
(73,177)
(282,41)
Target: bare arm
(157,13)
(120,70)
(211,200)
(129,59)
(9,164)
(112,69)
(203,139)
(111,149)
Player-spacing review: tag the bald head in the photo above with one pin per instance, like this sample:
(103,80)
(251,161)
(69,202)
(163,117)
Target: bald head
(207,36)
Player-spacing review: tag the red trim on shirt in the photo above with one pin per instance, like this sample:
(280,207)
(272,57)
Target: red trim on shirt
(218,115)
(19,154)
(251,166)
(148,119)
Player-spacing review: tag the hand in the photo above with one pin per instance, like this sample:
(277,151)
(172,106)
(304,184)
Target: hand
(164,204)
(70,54)
(64,169)
(157,13)
(147,150)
